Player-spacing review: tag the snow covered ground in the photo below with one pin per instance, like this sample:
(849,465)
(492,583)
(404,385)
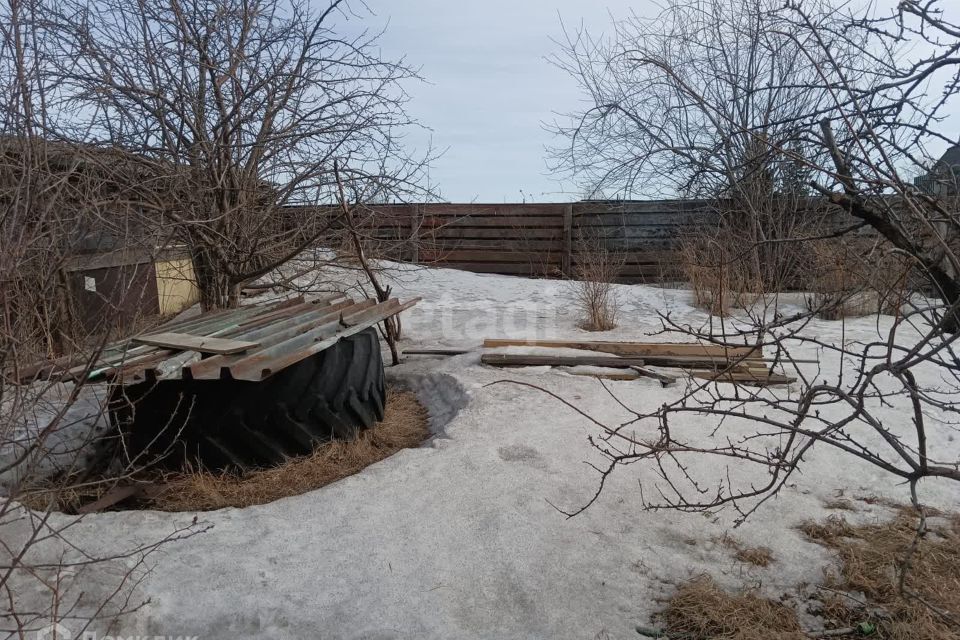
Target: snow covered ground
(460,538)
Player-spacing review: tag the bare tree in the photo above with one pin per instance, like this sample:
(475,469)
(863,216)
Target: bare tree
(641,135)
(237,110)
(875,98)
(877,89)
(51,195)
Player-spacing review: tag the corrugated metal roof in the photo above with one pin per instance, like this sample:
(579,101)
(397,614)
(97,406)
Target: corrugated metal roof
(284,333)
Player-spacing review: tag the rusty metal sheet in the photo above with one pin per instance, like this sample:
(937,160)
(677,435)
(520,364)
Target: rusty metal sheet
(282,332)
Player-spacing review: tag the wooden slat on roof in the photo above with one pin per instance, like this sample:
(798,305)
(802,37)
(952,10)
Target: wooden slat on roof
(202,344)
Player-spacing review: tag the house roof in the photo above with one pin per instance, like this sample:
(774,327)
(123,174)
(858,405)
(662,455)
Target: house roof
(951,158)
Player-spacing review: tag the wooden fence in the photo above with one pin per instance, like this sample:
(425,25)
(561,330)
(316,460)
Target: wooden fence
(544,240)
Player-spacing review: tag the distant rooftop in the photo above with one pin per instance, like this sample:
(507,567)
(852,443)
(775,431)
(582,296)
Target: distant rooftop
(952,157)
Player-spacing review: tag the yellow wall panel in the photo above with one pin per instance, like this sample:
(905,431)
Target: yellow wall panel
(176,285)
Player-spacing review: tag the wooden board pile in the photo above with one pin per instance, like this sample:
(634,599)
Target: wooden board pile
(743,365)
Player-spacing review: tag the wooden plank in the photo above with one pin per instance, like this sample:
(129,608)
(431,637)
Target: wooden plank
(203,344)
(658,219)
(664,379)
(738,375)
(523,360)
(492,244)
(486,255)
(643,234)
(112,497)
(567,255)
(510,269)
(637,255)
(466,231)
(435,352)
(619,374)
(640,206)
(744,377)
(415,222)
(507,209)
(638,349)
(510,222)
(680,362)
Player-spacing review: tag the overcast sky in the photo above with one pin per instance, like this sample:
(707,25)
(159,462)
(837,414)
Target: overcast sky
(490,87)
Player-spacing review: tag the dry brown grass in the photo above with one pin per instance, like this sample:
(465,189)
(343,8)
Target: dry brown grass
(757,556)
(827,532)
(65,497)
(864,587)
(839,504)
(405,425)
(870,558)
(701,610)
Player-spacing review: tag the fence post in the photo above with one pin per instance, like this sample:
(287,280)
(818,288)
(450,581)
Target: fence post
(414,239)
(567,256)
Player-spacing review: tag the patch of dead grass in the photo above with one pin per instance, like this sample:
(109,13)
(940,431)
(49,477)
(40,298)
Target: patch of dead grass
(870,558)
(827,532)
(701,610)
(757,556)
(839,504)
(864,587)
(405,425)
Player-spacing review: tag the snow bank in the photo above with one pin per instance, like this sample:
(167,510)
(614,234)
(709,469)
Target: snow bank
(72,426)
(463,538)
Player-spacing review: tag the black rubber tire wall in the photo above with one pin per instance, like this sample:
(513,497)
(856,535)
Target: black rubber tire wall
(233,424)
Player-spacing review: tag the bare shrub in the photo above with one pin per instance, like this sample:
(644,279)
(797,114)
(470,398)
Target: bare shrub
(856,277)
(727,270)
(597,268)
(50,195)
(538,253)
(719,279)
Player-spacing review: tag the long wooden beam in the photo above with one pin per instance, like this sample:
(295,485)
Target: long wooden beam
(637,349)
(523,360)
(619,362)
